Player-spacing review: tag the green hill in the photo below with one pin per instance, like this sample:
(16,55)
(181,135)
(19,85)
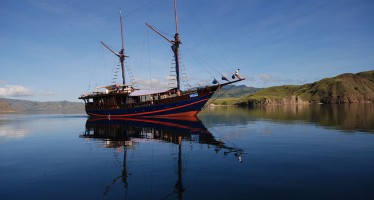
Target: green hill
(230,94)
(344,88)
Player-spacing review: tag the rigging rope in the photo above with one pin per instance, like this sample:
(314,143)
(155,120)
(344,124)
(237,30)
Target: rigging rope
(94,68)
(138,8)
(201,64)
(149,58)
(211,41)
(220,95)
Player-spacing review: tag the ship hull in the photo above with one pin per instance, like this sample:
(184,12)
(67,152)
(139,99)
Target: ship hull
(179,109)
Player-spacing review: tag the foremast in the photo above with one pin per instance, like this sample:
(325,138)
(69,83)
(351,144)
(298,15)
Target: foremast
(174,45)
(121,54)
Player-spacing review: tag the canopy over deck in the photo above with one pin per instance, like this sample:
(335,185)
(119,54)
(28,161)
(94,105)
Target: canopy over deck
(146,92)
(109,87)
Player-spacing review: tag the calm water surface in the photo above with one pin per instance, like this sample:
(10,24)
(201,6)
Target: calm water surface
(280,152)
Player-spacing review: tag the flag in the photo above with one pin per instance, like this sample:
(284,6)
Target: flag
(224,78)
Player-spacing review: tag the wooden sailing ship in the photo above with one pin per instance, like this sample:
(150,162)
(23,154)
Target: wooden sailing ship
(123,100)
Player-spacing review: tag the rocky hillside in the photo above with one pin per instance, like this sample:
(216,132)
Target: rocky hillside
(21,106)
(345,88)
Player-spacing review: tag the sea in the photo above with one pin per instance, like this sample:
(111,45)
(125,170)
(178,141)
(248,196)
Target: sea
(272,152)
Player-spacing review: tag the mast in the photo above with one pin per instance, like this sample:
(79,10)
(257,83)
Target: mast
(122,57)
(121,54)
(179,188)
(174,44)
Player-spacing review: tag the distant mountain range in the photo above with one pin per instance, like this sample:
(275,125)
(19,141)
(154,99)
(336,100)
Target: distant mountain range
(229,91)
(344,88)
(23,106)
(229,94)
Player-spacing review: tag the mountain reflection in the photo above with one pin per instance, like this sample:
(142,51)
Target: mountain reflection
(346,117)
(118,133)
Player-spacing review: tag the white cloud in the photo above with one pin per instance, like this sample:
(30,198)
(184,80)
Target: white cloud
(301,81)
(14,91)
(12,133)
(46,93)
(59,7)
(265,78)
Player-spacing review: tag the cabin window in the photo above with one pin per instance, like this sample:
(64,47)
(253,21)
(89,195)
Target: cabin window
(194,95)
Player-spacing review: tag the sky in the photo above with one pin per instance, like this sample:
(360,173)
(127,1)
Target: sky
(50,50)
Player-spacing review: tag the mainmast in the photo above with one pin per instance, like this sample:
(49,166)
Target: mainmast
(174,44)
(121,54)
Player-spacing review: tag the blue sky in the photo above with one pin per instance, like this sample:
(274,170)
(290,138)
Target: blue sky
(50,49)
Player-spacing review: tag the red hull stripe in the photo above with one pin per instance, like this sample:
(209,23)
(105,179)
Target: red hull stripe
(179,115)
(144,120)
(152,112)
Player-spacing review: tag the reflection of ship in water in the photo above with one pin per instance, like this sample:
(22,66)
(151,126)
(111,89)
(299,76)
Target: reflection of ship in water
(125,132)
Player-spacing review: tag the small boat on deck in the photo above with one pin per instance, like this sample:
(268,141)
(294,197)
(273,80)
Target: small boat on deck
(123,100)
